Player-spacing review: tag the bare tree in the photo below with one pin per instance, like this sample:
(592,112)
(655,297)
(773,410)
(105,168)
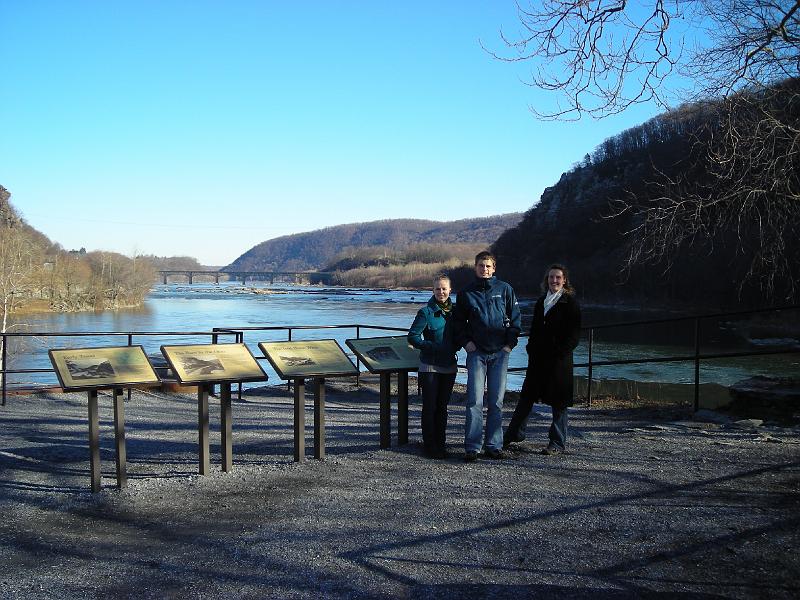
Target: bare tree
(17,263)
(740,57)
(603,56)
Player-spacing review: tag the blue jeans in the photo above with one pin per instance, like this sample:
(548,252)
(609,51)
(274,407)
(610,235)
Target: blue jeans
(485,369)
(558,428)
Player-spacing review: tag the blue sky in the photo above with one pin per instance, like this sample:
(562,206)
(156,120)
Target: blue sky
(203,128)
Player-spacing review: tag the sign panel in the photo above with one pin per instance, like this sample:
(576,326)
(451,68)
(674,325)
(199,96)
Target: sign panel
(386,353)
(207,363)
(97,368)
(310,358)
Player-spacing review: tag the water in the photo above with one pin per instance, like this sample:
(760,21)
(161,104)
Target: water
(200,307)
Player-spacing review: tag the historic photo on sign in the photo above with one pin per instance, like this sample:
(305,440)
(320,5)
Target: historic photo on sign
(202,363)
(307,359)
(93,368)
(89,369)
(385,353)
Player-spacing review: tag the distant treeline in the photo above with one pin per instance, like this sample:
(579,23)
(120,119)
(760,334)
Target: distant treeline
(412,267)
(316,249)
(38,274)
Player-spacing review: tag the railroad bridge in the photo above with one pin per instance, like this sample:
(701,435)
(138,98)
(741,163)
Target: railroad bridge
(298,277)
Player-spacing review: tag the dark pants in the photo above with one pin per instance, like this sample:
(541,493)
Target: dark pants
(436,390)
(519,423)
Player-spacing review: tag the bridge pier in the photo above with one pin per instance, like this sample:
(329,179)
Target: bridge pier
(297,277)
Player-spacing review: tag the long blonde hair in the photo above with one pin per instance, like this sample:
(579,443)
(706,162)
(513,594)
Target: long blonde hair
(568,289)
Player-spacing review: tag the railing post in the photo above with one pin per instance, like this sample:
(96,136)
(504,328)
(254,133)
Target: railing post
(130,343)
(589,380)
(289,381)
(358,360)
(696,364)
(5,344)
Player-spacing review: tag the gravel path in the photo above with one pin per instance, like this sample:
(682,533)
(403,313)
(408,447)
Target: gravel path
(640,507)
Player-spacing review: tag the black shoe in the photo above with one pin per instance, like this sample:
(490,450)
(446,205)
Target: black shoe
(552,451)
(494,454)
(508,442)
(470,456)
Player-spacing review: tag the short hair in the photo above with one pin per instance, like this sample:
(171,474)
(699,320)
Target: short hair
(442,277)
(485,255)
(567,284)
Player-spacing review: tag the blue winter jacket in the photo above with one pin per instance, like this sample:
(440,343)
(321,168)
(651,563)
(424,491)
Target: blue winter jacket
(487,314)
(432,333)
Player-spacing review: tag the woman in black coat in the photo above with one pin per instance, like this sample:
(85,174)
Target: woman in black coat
(555,333)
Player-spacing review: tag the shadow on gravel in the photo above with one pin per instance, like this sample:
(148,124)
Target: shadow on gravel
(479,591)
(395,554)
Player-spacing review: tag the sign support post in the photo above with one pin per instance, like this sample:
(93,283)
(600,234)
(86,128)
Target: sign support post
(119,437)
(94,442)
(402,408)
(386,409)
(299,419)
(226,426)
(202,428)
(319,418)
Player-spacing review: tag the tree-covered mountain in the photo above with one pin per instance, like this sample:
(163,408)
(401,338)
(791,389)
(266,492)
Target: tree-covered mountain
(316,249)
(595,218)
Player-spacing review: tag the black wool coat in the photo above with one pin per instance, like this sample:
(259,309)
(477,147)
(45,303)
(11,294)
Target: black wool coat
(552,339)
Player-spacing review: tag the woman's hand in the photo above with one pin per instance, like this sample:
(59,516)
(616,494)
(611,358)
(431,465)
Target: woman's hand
(470,346)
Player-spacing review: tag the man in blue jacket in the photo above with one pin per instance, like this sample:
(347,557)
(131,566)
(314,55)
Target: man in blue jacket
(486,322)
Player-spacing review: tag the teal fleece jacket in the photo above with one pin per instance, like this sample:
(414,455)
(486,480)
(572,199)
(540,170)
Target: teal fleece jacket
(432,333)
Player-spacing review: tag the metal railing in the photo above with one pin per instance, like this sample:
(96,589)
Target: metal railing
(237,332)
(240,331)
(129,335)
(696,357)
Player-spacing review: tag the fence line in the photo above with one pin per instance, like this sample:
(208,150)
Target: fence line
(239,332)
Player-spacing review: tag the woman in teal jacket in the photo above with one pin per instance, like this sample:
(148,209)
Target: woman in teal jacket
(432,333)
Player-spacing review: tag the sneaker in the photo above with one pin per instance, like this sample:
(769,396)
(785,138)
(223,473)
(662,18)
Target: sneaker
(470,456)
(494,454)
(552,450)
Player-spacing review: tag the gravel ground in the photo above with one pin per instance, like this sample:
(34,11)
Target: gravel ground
(644,504)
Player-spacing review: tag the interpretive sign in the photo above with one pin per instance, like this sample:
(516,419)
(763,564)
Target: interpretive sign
(81,369)
(391,353)
(213,363)
(310,358)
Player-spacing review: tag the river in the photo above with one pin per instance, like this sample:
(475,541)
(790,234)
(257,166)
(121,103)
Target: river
(200,307)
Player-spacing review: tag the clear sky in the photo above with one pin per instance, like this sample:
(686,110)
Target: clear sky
(202,128)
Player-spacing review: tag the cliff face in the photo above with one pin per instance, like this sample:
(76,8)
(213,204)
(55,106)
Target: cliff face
(577,222)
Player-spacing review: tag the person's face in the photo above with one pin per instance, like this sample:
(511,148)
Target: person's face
(555,280)
(441,290)
(485,268)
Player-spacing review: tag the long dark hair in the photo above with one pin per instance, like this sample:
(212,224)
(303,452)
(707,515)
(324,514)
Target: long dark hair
(568,289)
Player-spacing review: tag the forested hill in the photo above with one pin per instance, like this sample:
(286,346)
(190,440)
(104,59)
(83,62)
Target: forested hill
(314,249)
(581,222)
